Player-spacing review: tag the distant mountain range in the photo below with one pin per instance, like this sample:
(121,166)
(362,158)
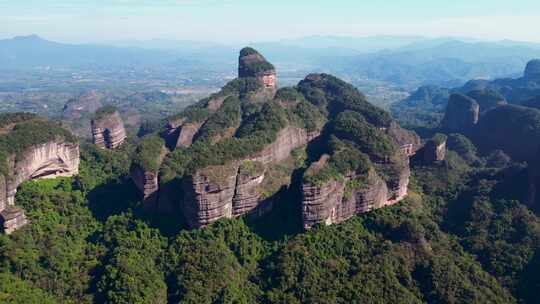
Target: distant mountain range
(404,61)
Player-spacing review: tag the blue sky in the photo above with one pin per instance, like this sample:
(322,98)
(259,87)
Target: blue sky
(257,20)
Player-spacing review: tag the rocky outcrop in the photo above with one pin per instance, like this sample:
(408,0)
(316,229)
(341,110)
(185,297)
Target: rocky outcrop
(288,139)
(372,195)
(408,141)
(47,160)
(532,70)
(108,130)
(252,64)
(232,190)
(324,203)
(147,182)
(435,149)
(246,196)
(187,132)
(209,194)
(461,113)
(337,200)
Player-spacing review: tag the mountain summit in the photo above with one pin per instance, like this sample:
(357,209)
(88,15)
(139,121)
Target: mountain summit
(252,64)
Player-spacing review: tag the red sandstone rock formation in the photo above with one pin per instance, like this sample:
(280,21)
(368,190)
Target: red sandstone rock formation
(332,202)
(108,130)
(228,191)
(48,160)
(434,151)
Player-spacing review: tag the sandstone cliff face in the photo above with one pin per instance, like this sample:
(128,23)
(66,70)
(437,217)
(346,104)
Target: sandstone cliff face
(434,151)
(461,113)
(253,64)
(147,182)
(108,131)
(325,204)
(49,160)
(408,141)
(372,195)
(288,139)
(235,192)
(187,133)
(246,196)
(209,194)
(338,200)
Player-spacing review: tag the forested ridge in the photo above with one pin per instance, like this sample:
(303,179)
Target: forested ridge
(459,237)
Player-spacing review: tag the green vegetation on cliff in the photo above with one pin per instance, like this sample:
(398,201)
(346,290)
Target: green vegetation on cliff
(27,130)
(104,112)
(340,164)
(149,153)
(457,238)
(253,66)
(368,138)
(336,96)
(226,117)
(439,138)
(258,131)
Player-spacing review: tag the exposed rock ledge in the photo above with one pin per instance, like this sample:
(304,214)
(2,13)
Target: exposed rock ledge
(108,130)
(333,202)
(228,191)
(49,160)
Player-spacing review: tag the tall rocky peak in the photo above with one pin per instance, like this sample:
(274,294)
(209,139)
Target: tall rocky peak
(532,70)
(108,130)
(252,64)
(31,147)
(461,113)
(231,155)
(435,149)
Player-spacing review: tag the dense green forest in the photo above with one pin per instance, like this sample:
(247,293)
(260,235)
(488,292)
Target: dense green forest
(461,236)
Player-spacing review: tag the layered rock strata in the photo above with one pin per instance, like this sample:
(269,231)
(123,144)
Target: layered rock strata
(434,151)
(229,191)
(108,130)
(337,200)
(148,183)
(48,160)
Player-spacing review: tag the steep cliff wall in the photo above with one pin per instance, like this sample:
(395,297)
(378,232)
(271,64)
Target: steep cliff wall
(408,141)
(232,190)
(461,113)
(108,129)
(288,139)
(47,160)
(247,195)
(435,149)
(209,194)
(147,182)
(338,199)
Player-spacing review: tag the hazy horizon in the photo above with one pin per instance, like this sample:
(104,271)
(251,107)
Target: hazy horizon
(241,21)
